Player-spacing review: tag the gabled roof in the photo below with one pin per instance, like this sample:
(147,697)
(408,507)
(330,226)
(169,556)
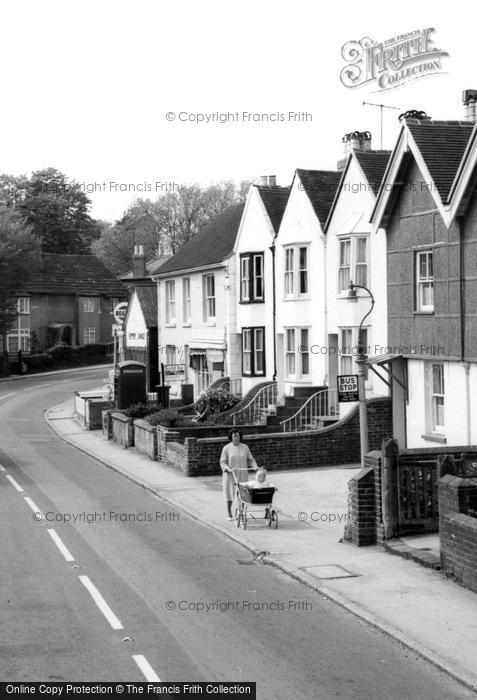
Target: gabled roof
(151,268)
(210,246)
(373,164)
(275,200)
(438,148)
(442,145)
(74,274)
(320,186)
(147,297)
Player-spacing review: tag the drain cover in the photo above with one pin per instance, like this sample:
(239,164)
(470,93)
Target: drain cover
(328,571)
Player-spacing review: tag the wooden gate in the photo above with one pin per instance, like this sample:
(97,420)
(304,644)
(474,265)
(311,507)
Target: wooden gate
(417,497)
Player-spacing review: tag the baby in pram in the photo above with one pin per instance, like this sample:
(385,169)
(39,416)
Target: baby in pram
(260,481)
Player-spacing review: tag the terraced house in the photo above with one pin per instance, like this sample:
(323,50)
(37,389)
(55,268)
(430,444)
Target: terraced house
(427,205)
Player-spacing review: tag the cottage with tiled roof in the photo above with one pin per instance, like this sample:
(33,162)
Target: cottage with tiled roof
(195,297)
(353,255)
(427,205)
(253,316)
(300,277)
(69,298)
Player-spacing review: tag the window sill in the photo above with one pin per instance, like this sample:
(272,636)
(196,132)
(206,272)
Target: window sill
(251,301)
(435,437)
(303,297)
(170,325)
(209,322)
(187,325)
(423,313)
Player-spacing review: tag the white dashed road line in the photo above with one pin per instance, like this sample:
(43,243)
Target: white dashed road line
(63,549)
(15,484)
(101,603)
(146,668)
(38,515)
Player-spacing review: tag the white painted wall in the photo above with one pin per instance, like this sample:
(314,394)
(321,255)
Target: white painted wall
(300,226)
(135,326)
(351,215)
(460,404)
(197,332)
(256,234)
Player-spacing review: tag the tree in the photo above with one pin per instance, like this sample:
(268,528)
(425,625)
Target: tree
(162,226)
(19,255)
(55,207)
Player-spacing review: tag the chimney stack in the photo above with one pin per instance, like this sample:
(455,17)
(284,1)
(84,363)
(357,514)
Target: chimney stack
(267,181)
(139,262)
(469,98)
(354,141)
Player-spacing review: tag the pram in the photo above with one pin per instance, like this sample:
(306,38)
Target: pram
(250,502)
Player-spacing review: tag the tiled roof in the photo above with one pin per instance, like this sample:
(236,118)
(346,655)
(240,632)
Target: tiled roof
(373,164)
(275,200)
(211,245)
(151,268)
(147,295)
(442,145)
(320,186)
(74,274)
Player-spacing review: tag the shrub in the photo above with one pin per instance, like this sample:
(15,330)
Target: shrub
(141,410)
(218,419)
(63,355)
(39,361)
(169,418)
(219,400)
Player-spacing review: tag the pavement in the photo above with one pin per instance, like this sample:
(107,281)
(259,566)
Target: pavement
(428,613)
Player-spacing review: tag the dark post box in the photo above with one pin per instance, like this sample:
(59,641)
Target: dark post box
(187,394)
(129,384)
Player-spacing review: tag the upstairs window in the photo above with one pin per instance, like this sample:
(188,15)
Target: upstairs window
(186,304)
(251,277)
(353,262)
(424,281)
(296,272)
(208,284)
(23,305)
(88,304)
(170,302)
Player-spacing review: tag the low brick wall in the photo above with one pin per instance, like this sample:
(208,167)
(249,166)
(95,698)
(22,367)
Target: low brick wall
(458,529)
(107,424)
(123,429)
(337,444)
(94,411)
(145,438)
(213,431)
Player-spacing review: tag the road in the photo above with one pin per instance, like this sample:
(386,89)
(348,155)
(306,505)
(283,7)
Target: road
(113,584)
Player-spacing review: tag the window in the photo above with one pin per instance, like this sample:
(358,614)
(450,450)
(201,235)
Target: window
(186,306)
(209,297)
(19,339)
(88,304)
(170,301)
(253,351)
(348,349)
(296,272)
(437,398)
(170,354)
(251,277)
(23,305)
(424,281)
(297,353)
(114,303)
(289,287)
(353,262)
(89,336)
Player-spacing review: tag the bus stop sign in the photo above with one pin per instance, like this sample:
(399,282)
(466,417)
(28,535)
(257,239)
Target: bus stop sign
(348,388)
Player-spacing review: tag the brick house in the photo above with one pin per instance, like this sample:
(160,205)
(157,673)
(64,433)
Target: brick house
(68,299)
(428,207)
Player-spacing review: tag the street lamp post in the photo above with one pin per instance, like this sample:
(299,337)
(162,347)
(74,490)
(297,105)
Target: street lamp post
(361,363)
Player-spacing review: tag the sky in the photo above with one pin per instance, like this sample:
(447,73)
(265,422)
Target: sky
(111,93)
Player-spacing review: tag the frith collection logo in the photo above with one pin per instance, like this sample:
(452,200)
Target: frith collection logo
(391,63)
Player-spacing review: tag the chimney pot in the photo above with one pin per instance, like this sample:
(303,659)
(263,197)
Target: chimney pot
(267,181)
(469,98)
